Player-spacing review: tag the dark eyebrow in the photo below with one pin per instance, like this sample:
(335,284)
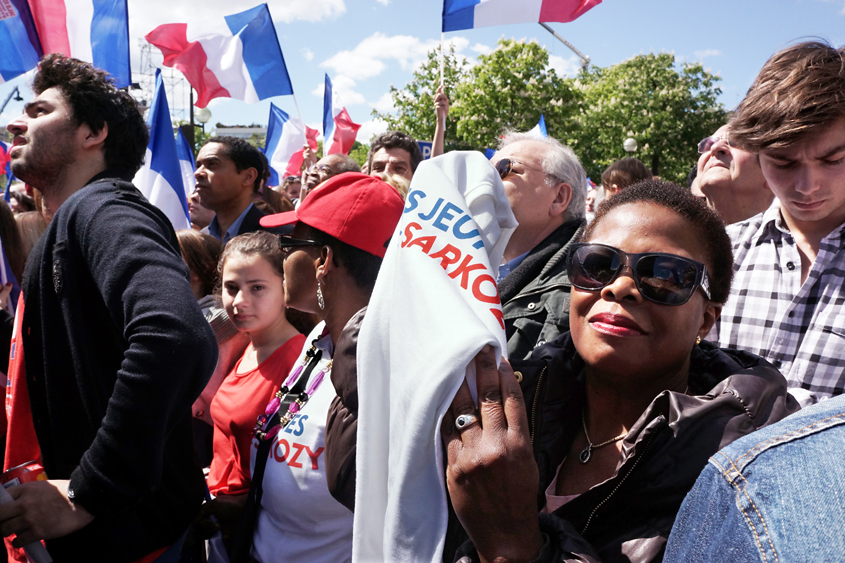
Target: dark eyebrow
(832,152)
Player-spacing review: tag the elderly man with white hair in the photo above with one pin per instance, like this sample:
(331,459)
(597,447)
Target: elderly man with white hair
(547,190)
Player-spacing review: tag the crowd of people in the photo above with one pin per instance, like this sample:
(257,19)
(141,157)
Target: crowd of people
(674,374)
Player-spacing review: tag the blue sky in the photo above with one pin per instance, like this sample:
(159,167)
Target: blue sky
(367,45)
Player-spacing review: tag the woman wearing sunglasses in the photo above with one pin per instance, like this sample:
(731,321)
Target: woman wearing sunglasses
(622,413)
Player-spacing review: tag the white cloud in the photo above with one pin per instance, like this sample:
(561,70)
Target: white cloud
(565,67)
(481,49)
(369,129)
(343,85)
(707,53)
(368,58)
(307,54)
(384,104)
(383,2)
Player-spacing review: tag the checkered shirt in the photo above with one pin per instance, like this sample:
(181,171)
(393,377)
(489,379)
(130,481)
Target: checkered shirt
(800,328)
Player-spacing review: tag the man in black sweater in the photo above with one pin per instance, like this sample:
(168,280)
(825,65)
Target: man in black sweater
(116,349)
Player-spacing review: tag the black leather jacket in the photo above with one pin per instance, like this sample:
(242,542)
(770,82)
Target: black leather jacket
(628,517)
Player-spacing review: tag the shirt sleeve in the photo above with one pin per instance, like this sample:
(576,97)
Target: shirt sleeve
(170,352)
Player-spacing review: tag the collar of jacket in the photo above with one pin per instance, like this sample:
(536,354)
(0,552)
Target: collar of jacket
(545,265)
(120,173)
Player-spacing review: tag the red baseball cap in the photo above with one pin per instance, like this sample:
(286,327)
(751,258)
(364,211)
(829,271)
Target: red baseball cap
(357,209)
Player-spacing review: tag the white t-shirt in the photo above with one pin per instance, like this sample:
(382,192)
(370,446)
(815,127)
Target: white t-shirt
(299,520)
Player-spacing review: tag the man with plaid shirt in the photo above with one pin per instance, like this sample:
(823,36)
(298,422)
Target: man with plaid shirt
(789,261)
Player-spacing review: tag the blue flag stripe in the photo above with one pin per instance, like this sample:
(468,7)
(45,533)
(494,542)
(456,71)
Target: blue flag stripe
(275,125)
(261,51)
(328,118)
(18,54)
(163,143)
(459,14)
(110,39)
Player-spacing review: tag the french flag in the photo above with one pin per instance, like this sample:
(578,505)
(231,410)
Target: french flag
(187,164)
(6,166)
(95,31)
(235,57)
(286,138)
(160,179)
(339,131)
(471,14)
(19,37)
(539,130)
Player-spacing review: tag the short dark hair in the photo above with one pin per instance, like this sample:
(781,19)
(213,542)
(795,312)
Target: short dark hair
(243,155)
(703,221)
(396,140)
(624,173)
(346,164)
(361,265)
(95,101)
(798,91)
(265,174)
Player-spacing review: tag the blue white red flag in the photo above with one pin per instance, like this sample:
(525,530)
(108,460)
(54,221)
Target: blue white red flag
(7,276)
(160,178)
(187,164)
(95,31)
(19,38)
(471,14)
(234,57)
(539,130)
(286,138)
(6,166)
(339,131)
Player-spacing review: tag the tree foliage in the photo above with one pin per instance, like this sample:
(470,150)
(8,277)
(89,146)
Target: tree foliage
(414,104)
(666,110)
(509,89)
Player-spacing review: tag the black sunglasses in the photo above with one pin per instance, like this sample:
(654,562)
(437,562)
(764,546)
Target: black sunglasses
(505,166)
(286,242)
(666,279)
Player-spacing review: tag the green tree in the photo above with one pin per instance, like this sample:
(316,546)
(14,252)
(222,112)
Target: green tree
(666,109)
(257,140)
(359,152)
(414,104)
(509,89)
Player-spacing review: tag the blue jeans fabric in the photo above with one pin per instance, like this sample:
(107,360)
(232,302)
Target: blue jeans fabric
(775,495)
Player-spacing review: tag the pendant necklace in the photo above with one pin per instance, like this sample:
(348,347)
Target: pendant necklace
(587,452)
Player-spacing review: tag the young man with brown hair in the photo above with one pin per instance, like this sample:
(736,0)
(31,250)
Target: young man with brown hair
(790,261)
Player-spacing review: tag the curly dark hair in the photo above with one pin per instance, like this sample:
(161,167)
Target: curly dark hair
(703,221)
(243,155)
(396,140)
(95,101)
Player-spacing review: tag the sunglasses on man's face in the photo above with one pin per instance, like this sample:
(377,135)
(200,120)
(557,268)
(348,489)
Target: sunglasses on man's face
(505,166)
(707,143)
(666,279)
(287,243)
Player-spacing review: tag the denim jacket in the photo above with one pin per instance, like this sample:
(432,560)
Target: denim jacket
(774,495)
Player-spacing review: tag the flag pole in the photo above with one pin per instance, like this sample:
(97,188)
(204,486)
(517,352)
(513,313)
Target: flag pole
(442,60)
(297,108)
(585,59)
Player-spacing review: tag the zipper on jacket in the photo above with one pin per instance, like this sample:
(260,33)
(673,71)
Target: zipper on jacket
(616,488)
(534,406)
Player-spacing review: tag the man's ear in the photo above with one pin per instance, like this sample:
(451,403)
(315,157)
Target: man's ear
(562,199)
(250,174)
(91,139)
(613,189)
(712,312)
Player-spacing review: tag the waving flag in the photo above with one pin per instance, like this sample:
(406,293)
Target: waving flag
(160,179)
(339,131)
(470,14)
(95,31)
(19,38)
(235,57)
(539,130)
(286,137)
(187,163)
(6,167)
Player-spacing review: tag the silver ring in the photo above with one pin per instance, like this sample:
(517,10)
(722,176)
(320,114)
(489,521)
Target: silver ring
(465,420)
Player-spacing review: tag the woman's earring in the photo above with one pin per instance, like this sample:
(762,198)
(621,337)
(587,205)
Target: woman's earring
(697,338)
(321,302)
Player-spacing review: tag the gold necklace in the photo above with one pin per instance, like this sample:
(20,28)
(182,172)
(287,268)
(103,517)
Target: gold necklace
(587,452)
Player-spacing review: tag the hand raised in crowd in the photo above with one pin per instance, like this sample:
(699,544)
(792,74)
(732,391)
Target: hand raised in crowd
(491,474)
(5,291)
(309,159)
(441,105)
(41,510)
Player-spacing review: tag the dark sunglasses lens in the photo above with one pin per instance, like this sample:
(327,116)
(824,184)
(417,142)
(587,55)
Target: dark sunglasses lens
(705,145)
(503,167)
(593,267)
(665,279)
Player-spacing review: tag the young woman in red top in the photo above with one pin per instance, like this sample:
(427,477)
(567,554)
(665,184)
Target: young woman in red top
(253,295)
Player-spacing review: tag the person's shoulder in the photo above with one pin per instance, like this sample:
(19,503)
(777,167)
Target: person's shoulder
(754,226)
